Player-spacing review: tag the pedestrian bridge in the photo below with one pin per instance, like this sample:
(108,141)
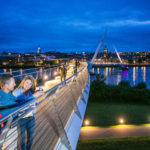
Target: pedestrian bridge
(59,115)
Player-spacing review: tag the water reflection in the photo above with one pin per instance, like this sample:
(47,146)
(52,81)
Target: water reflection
(144,73)
(134,75)
(106,71)
(125,73)
(118,79)
(98,71)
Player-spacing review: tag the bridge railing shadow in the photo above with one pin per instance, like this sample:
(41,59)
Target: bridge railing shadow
(53,111)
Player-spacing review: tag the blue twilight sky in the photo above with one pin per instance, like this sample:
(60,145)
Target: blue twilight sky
(74,25)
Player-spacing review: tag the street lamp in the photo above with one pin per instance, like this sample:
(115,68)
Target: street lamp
(86,122)
(121,121)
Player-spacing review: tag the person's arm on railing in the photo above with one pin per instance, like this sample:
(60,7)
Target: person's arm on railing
(20,97)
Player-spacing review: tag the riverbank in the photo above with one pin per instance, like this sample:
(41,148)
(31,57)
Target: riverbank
(121,93)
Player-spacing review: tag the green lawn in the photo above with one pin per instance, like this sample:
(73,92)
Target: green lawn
(133,143)
(109,103)
(107,114)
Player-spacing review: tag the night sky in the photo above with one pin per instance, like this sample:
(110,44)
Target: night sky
(74,25)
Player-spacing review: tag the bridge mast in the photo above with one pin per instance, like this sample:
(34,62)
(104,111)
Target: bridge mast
(118,56)
(98,48)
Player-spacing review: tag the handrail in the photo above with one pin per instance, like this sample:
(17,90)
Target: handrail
(33,100)
(21,68)
(30,73)
(43,67)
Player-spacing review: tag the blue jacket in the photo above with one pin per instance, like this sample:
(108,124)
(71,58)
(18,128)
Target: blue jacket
(22,98)
(6,99)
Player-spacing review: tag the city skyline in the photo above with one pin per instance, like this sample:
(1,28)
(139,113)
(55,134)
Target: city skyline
(74,25)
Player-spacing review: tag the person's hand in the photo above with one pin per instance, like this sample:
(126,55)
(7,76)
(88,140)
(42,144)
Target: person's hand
(2,147)
(38,93)
(33,106)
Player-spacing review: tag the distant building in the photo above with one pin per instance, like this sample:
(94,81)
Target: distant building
(105,53)
(51,57)
(105,50)
(9,58)
(39,50)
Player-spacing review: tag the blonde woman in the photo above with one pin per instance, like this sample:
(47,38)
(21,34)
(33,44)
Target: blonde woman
(24,93)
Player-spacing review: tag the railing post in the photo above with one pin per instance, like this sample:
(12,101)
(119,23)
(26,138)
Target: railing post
(74,101)
(82,97)
(83,77)
(88,81)
(80,74)
(84,81)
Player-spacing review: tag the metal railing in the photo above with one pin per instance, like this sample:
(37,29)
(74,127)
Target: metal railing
(37,73)
(47,126)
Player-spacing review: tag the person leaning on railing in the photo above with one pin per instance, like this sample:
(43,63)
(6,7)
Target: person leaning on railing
(7,99)
(24,92)
(7,104)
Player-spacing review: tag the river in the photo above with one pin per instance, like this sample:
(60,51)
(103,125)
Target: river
(134,75)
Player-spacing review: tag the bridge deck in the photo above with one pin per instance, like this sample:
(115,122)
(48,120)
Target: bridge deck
(53,114)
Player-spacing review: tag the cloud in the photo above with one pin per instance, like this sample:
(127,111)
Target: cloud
(127,23)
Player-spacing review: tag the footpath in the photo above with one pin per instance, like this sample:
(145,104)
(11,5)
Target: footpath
(114,132)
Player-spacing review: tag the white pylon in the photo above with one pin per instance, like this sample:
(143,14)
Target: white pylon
(98,48)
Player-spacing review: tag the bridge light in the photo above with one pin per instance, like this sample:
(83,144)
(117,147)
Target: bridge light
(55,73)
(45,77)
(86,122)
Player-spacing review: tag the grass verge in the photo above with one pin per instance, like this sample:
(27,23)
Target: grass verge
(131,143)
(104,114)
